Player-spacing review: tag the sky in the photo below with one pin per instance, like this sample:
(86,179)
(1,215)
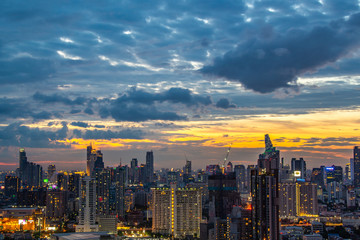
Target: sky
(185,79)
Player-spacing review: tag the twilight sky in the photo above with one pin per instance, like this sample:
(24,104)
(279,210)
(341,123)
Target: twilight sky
(182,78)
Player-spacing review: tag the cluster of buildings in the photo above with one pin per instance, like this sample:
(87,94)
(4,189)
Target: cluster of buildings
(269,200)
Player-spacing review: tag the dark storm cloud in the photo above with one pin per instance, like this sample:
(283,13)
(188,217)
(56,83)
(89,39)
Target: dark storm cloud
(137,113)
(57,98)
(80,124)
(22,136)
(173,95)
(265,66)
(224,103)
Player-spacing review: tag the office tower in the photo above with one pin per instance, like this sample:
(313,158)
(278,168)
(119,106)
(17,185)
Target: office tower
(334,174)
(176,211)
(12,186)
(229,167)
(94,161)
(347,176)
(134,171)
(22,161)
(56,204)
(318,176)
(240,173)
(74,184)
(288,197)
(298,167)
(356,161)
(352,169)
(143,172)
(187,175)
(149,166)
(29,173)
(87,211)
(265,193)
(62,181)
(51,172)
(187,168)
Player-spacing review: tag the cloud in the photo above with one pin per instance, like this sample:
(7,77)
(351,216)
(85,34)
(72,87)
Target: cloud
(267,65)
(123,134)
(80,124)
(137,113)
(57,98)
(22,136)
(25,70)
(224,103)
(173,95)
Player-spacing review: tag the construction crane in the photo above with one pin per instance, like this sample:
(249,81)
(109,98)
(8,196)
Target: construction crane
(226,158)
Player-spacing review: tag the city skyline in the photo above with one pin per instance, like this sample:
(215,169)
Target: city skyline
(132,77)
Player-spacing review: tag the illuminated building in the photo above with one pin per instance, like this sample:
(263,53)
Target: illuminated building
(176,211)
(229,167)
(317,176)
(18,219)
(103,183)
(87,211)
(298,167)
(117,204)
(240,225)
(56,204)
(356,161)
(74,184)
(265,194)
(298,199)
(149,167)
(350,197)
(62,181)
(334,174)
(94,161)
(213,169)
(187,177)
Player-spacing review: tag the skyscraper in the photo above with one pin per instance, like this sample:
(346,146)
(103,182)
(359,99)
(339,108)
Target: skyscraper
(149,166)
(265,193)
(94,160)
(298,167)
(176,211)
(87,211)
(29,173)
(356,166)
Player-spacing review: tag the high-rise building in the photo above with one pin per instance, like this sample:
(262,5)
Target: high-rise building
(187,175)
(103,183)
(298,199)
(229,167)
(334,174)
(117,192)
(240,173)
(149,166)
(56,204)
(223,193)
(62,181)
(240,225)
(176,211)
(356,160)
(265,194)
(94,161)
(298,167)
(12,186)
(87,211)
(30,173)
